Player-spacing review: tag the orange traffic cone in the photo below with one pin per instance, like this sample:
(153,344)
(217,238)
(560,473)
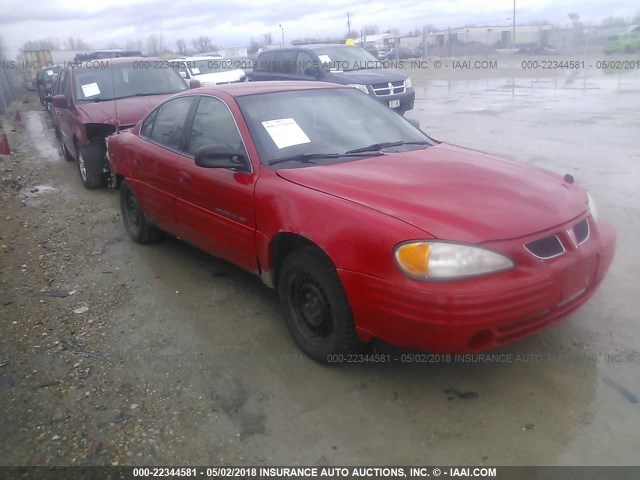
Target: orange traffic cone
(4,145)
(17,118)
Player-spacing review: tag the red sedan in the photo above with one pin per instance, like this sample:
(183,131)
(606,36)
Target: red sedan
(367,227)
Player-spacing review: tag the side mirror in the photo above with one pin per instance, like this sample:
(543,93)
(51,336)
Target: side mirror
(194,83)
(60,101)
(217,156)
(183,74)
(413,122)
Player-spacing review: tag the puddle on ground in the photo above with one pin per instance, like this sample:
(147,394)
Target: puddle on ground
(41,137)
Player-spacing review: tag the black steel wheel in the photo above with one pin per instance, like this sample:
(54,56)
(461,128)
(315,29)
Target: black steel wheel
(135,222)
(315,306)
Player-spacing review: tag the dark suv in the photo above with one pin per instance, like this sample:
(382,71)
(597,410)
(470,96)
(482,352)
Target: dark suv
(347,65)
(93,99)
(45,78)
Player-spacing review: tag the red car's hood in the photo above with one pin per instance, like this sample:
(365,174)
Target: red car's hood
(126,111)
(451,192)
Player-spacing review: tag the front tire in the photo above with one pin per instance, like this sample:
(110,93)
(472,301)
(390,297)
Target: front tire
(135,222)
(315,305)
(90,155)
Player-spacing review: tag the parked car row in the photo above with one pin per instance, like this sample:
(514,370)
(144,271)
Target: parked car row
(367,228)
(89,104)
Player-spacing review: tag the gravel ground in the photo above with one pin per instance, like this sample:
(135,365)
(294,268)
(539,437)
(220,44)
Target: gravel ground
(67,389)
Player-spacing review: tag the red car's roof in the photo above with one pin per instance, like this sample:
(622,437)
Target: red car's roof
(252,88)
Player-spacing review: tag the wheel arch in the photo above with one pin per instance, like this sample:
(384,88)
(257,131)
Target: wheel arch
(281,246)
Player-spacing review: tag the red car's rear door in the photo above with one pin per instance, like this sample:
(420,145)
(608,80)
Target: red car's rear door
(214,206)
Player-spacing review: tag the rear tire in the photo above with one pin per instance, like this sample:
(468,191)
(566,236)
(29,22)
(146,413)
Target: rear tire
(135,222)
(315,306)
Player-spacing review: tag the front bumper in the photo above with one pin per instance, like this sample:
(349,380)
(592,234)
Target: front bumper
(479,314)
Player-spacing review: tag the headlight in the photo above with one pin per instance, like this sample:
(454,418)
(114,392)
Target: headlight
(407,83)
(207,84)
(592,207)
(362,88)
(438,260)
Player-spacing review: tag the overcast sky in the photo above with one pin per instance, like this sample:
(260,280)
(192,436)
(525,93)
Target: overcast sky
(233,23)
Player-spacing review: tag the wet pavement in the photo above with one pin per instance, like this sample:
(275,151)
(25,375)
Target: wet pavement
(565,396)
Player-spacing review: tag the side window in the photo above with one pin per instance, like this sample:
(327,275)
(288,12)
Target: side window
(66,89)
(213,124)
(147,126)
(305,62)
(56,89)
(285,61)
(168,125)
(264,62)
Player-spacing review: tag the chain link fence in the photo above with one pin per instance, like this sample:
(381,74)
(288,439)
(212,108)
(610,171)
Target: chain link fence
(8,89)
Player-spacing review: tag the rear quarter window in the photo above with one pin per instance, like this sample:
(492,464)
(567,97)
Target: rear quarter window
(265,62)
(285,61)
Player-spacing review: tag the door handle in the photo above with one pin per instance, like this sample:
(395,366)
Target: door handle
(184,178)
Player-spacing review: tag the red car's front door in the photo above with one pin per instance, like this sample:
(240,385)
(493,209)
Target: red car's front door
(157,160)
(214,206)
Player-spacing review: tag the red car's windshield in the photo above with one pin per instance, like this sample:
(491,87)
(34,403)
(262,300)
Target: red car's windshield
(323,121)
(125,80)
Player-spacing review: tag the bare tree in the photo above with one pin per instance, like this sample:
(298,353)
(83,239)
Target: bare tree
(133,45)
(613,22)
(154,44)
(113,45)
(254,45)
(268,39)
(49,44)
(182,46)
(82,45)
(203,44)
(75,44)
(370,30)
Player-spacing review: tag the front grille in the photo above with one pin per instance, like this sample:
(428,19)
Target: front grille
(581,229)
(390,88)
(545,248)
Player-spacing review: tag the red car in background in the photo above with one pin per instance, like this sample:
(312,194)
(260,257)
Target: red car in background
(94,98)
(367,227)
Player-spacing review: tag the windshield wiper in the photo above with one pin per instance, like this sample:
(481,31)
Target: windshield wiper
(95,99)
(144,95)
(308,157)
(375,147)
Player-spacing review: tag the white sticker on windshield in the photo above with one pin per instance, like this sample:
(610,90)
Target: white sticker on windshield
(324,58)
(50,73)
(195,71)
(285,132)
(90,89)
